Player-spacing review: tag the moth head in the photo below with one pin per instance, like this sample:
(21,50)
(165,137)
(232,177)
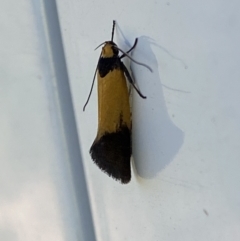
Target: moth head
(109,50)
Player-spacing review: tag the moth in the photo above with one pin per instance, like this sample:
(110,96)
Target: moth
(112,147)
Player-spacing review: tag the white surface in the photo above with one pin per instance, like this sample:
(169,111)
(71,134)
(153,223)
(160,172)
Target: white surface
(186,134)
(41,197)
(185,178)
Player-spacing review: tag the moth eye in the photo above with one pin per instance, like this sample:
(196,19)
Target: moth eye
(115,51)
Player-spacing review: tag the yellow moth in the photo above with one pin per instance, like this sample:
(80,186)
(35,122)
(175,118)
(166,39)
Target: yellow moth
(112,149)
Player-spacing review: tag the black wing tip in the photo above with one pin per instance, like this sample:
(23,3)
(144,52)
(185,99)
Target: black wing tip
(116,175)
(112,153)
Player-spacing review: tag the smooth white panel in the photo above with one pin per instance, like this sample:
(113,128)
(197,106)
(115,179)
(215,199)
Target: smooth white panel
(42,187)
(186,135)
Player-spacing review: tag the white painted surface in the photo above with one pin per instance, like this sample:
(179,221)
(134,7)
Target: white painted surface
(185,181)
(186,134)
(41,197)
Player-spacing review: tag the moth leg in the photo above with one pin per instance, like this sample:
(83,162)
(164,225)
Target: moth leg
(131,81)
(134,45)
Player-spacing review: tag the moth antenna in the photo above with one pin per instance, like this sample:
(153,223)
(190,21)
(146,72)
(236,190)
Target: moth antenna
(113,27)
(100,45)
(91,86)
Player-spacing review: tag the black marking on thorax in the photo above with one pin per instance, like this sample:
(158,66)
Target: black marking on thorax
(105,65)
